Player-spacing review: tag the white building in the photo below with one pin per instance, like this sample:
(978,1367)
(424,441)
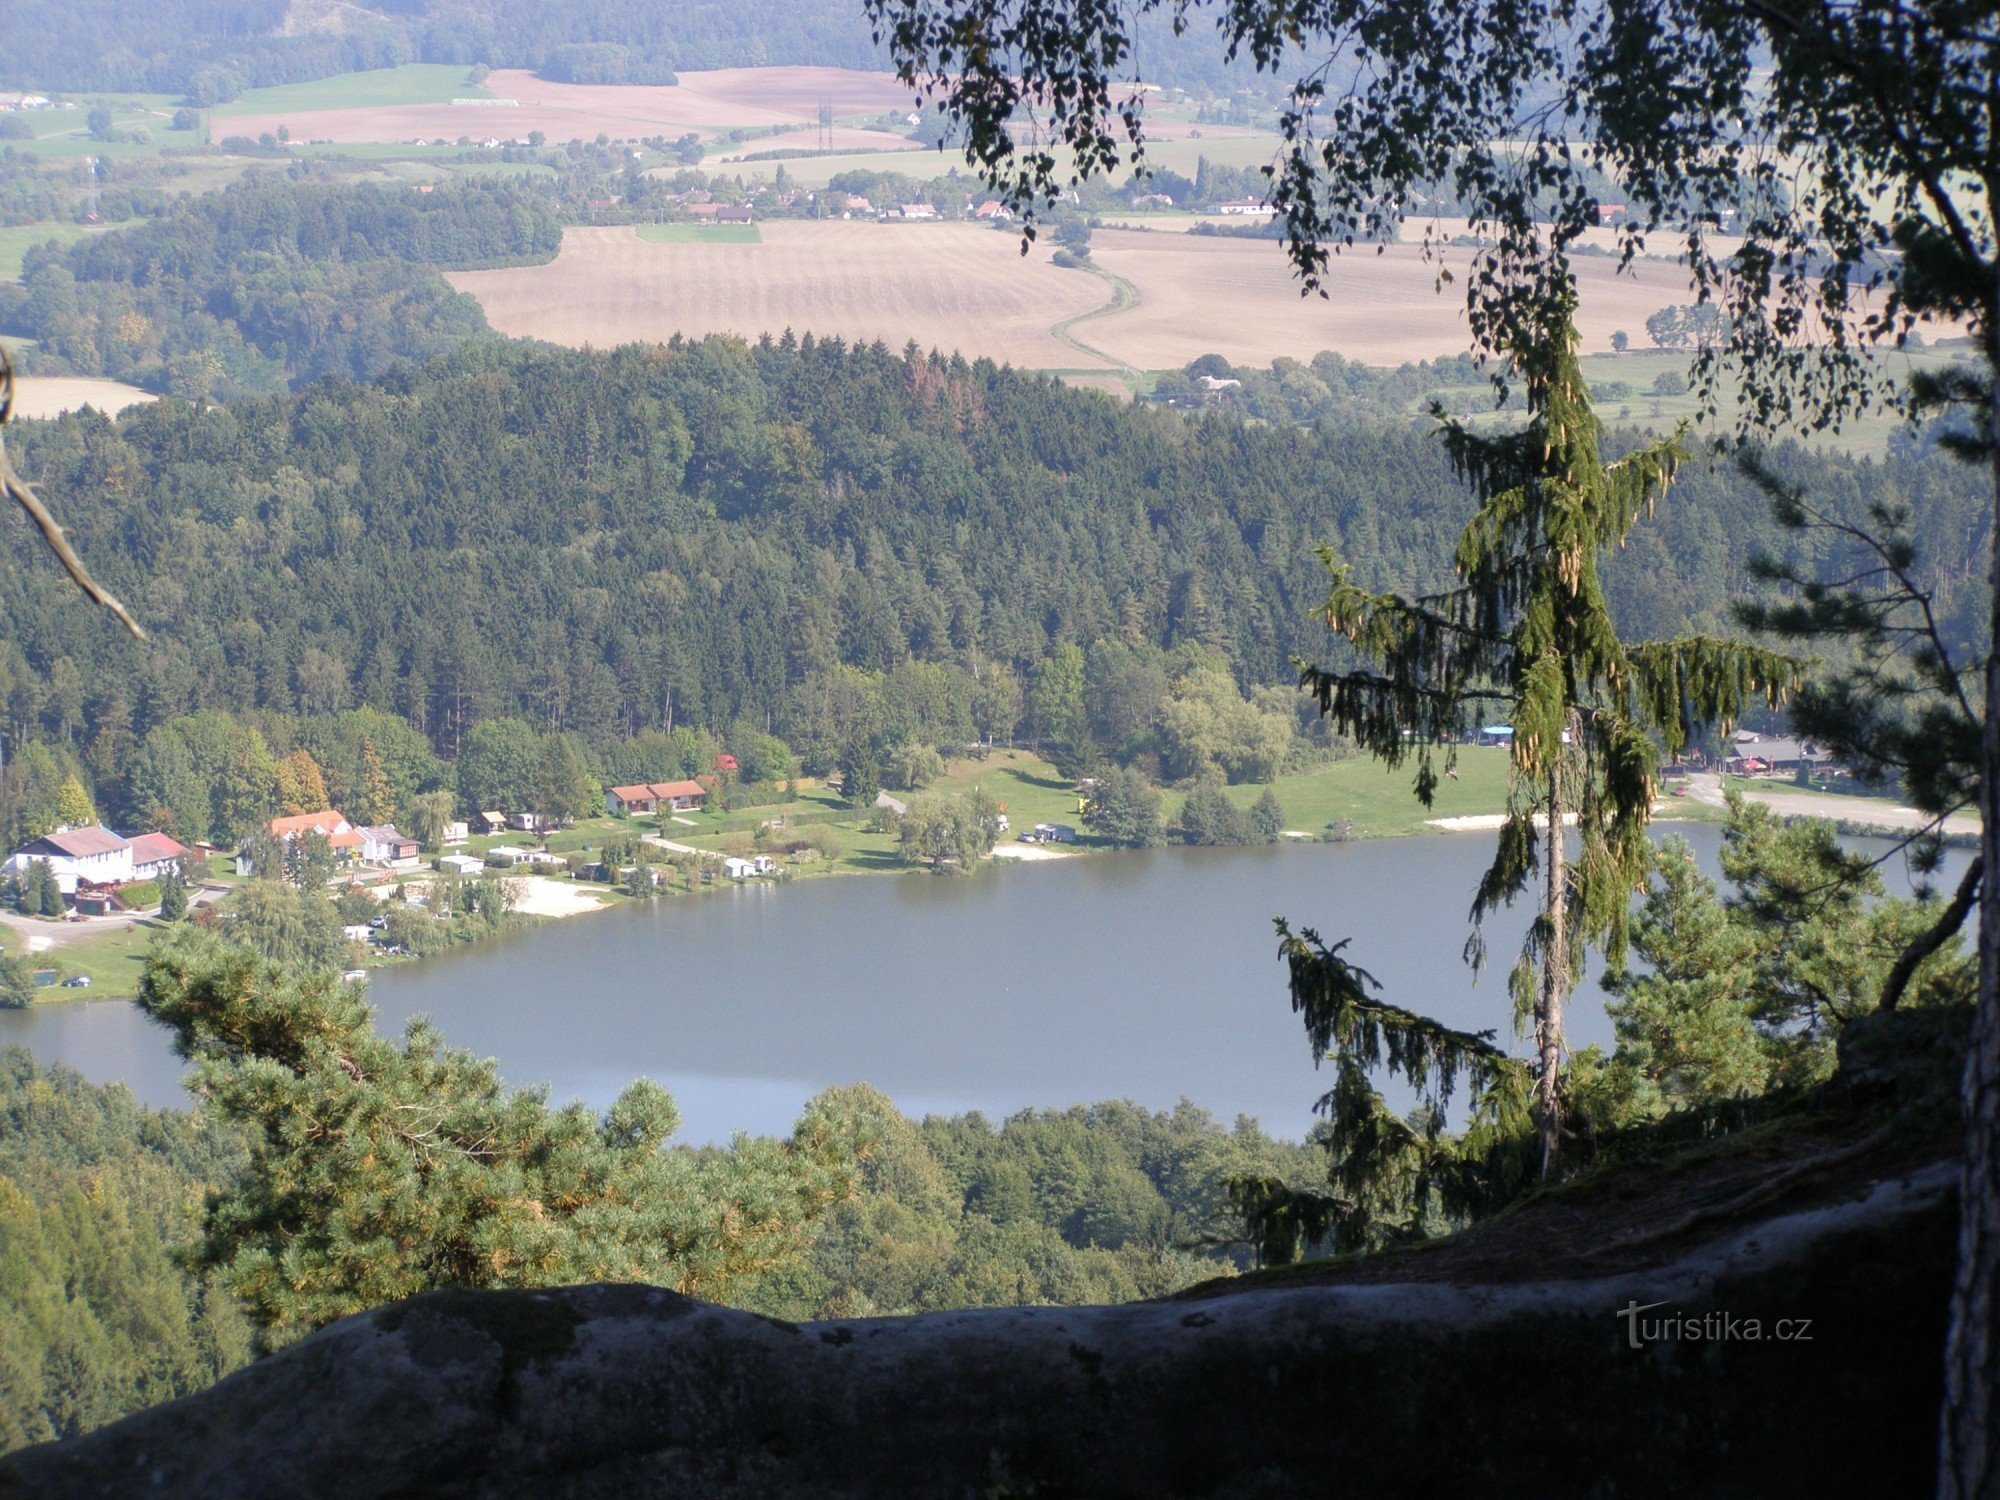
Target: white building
(462,864)
(154,854)
(383,845)
(94,854)
(738,869)
(456,833)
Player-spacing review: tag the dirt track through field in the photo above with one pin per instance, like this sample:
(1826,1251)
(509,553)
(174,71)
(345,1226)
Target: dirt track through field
(959,287)
(951,286)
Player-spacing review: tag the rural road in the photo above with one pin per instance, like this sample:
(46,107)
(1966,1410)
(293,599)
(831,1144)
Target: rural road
(62,934)
(1707,787)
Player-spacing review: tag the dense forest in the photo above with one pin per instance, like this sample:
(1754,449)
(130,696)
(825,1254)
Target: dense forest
(710,533)
(274,282)
(213,50)
(100,1314)
(97,1315)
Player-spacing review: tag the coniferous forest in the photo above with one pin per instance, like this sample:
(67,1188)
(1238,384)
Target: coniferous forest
(656,537)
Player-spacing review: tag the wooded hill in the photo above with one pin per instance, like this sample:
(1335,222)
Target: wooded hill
(274,282)
(713,532)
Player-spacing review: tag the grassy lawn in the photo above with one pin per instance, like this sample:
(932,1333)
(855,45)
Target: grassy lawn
(414,83)
(16,240)
(112,959)
(1378,802)
(701,234)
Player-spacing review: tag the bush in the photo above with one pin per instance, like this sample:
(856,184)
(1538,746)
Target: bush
(140,895)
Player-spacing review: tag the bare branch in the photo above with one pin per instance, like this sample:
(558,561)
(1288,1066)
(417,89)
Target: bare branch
(16,489)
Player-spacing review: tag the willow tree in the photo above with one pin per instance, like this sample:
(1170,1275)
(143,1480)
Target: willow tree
(1525,634)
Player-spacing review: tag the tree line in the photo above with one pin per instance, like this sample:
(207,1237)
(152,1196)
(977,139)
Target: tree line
(274,283)
(846,546)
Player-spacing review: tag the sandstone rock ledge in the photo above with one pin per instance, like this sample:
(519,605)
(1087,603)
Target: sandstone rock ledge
(1423,1390)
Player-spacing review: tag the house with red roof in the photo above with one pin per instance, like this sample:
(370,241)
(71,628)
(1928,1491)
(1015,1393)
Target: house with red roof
(653,796)
(340,834)
(155,854)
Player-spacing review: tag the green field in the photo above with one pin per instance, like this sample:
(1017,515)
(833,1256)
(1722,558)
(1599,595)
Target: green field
(112,959)
(17,240)
(414,83)
(701,234)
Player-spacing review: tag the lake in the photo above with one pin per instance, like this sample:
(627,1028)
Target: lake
(1150,976)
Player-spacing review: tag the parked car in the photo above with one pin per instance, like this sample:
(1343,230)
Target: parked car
(77,982)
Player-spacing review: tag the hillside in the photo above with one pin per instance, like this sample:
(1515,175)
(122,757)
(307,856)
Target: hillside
(710,531)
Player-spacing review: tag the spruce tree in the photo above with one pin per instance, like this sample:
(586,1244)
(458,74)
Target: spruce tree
(173,896)
(1526,635)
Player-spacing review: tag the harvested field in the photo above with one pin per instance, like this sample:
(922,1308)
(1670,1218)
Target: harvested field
(702,102)
(1200,294)
(950,286)
(52,395)
(953,286)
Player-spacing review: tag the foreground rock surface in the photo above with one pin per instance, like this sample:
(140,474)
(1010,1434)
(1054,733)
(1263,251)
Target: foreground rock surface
(1528,1389)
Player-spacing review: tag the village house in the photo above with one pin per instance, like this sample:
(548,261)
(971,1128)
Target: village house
(654,796)
(918,211)
(992,210)
(94,856)
(1765,755)
(383,845)
(732,214)
(340,834)
(155,855)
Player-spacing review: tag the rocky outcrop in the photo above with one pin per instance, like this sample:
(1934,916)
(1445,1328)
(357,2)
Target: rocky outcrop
(1381,1390)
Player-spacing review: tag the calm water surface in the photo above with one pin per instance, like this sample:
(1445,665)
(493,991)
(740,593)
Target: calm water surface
(1148,976)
